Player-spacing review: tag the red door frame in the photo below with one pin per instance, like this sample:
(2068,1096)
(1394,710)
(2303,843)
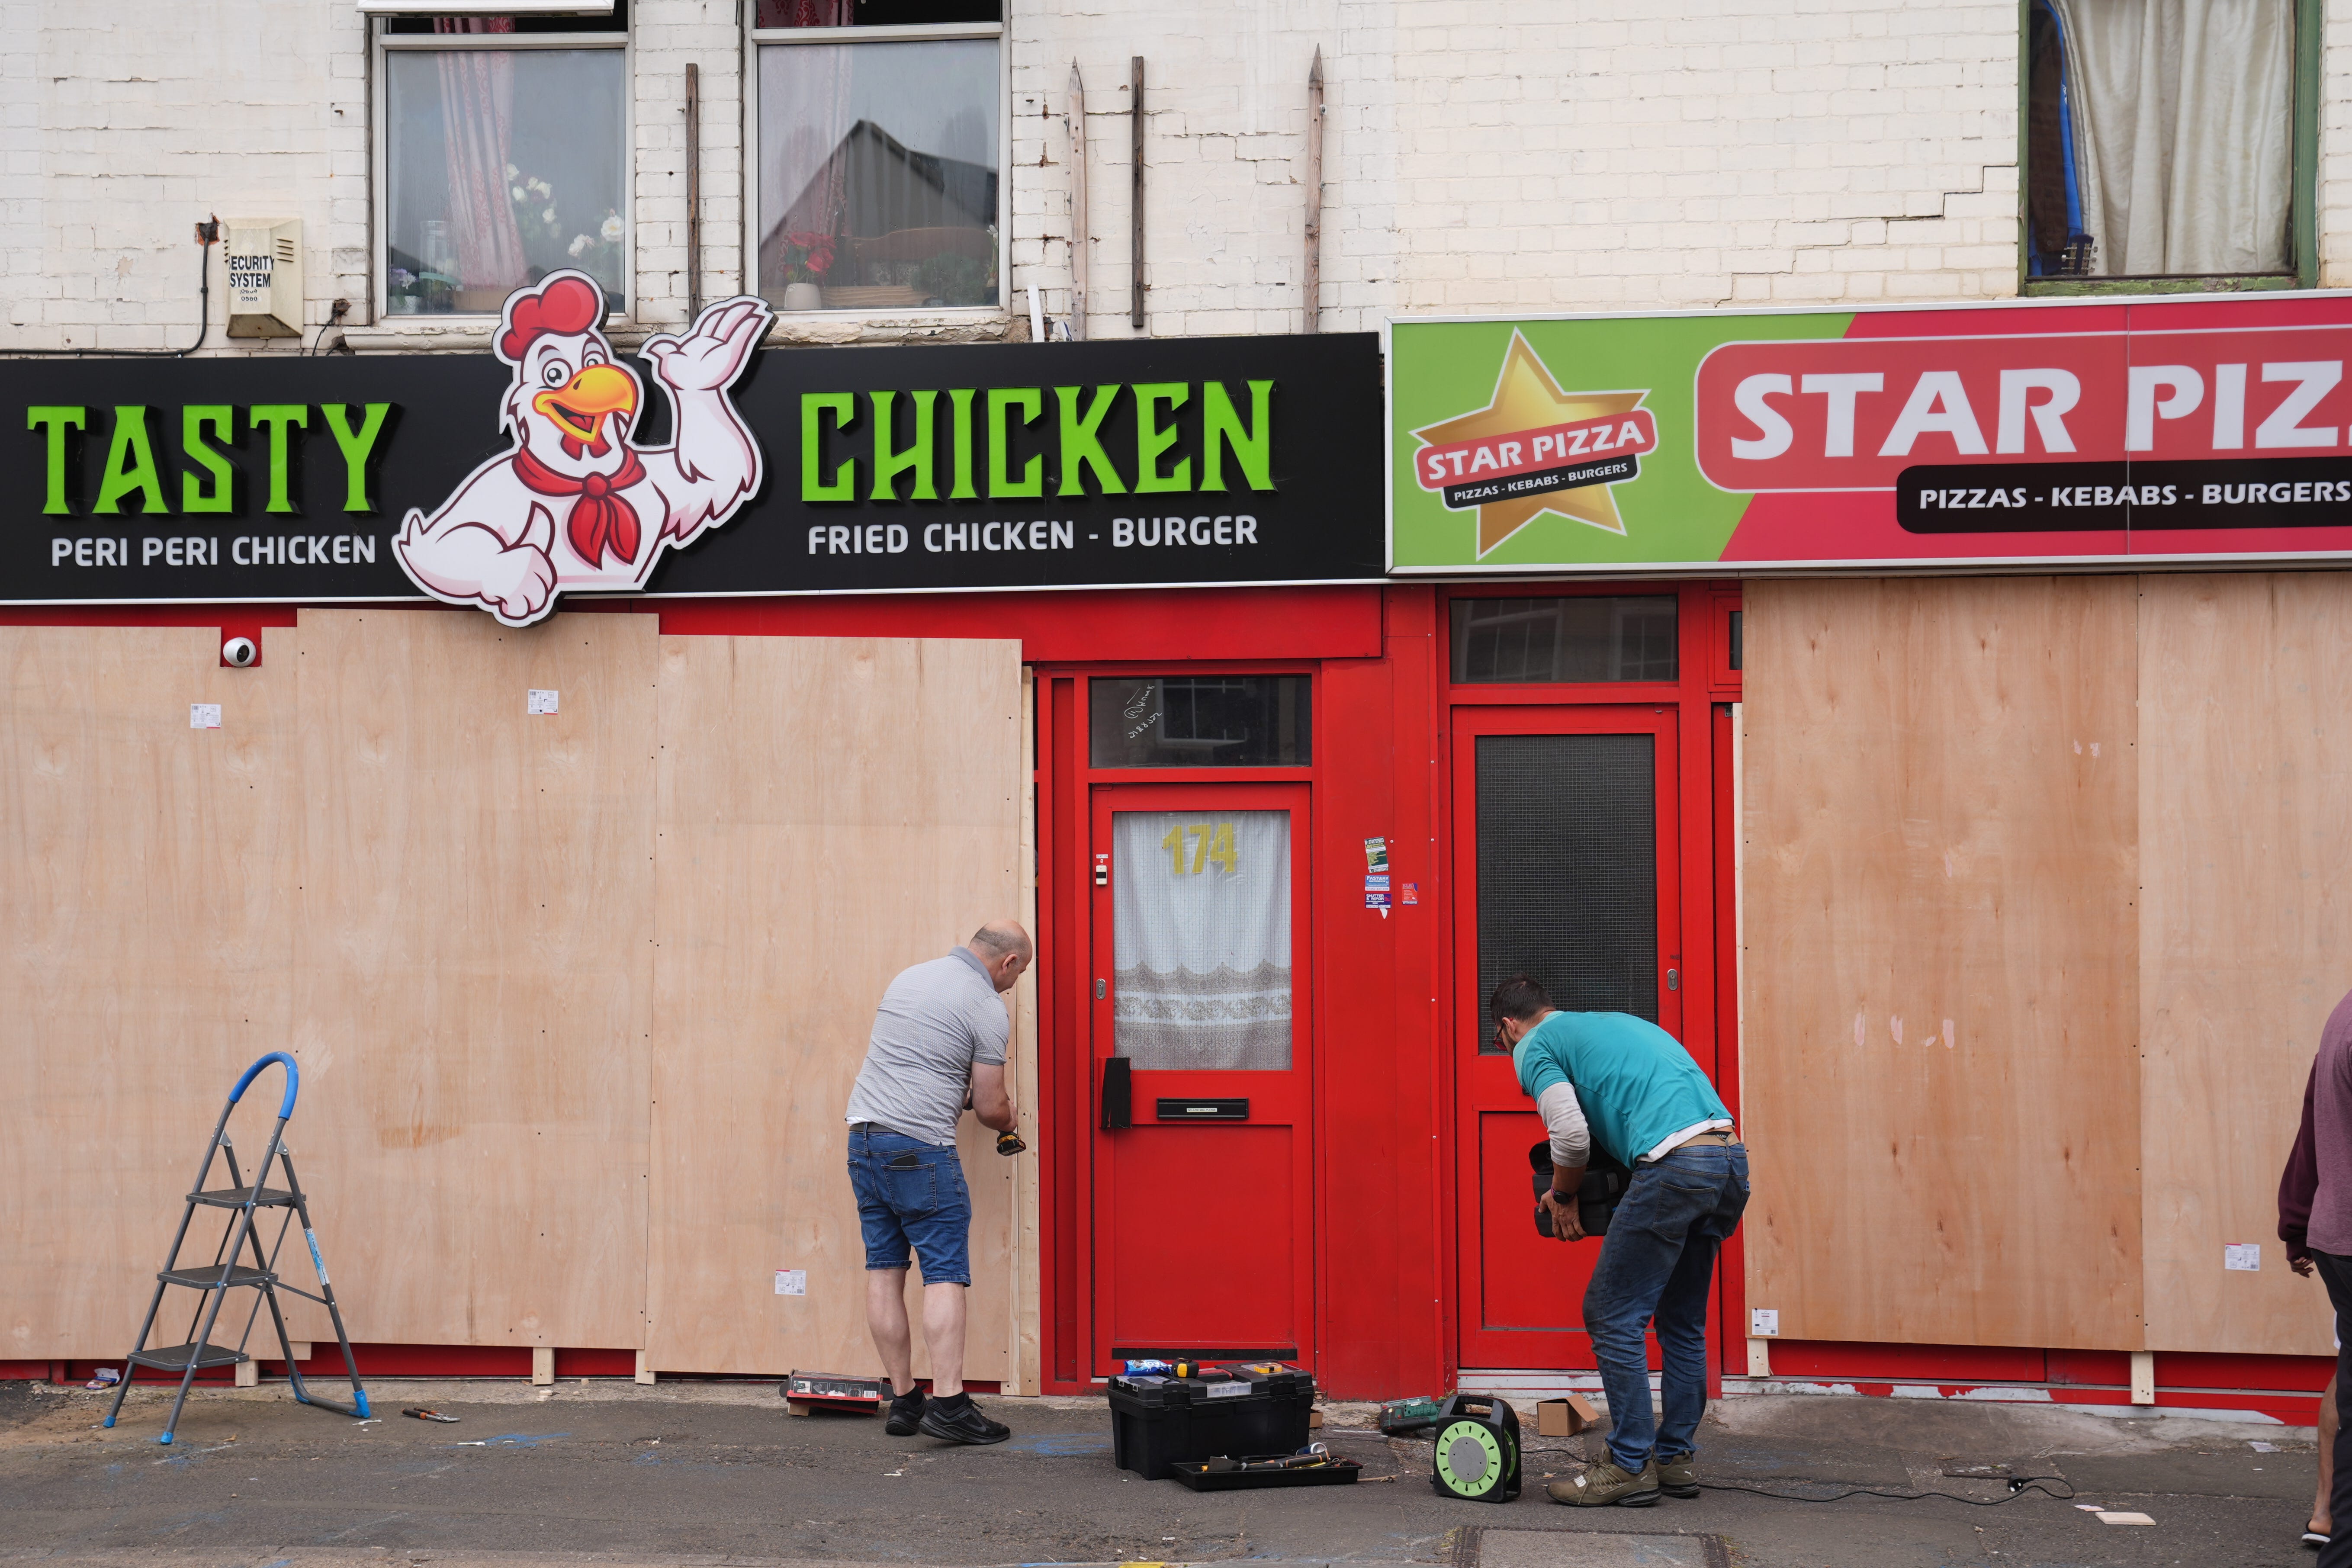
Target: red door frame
(1069,1084)
(1288,1098)
(1485,1082)
(1704,682)
(1699,698)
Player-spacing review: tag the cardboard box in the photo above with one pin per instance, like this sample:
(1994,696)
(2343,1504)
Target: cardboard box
(1564,1417)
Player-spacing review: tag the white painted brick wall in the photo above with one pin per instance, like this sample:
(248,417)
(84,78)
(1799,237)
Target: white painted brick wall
(1478,157)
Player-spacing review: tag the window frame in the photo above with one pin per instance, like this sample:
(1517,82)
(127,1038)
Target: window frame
(381,45)
(755,38)
(2302,271)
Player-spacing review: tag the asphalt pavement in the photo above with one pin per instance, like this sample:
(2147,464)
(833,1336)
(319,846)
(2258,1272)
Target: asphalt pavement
(615,1475)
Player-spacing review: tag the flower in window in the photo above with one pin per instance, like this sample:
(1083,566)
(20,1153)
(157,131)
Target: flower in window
(611,232)
(807,257)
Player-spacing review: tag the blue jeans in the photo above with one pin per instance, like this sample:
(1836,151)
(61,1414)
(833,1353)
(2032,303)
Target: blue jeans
(1656,1262)
(911,1193)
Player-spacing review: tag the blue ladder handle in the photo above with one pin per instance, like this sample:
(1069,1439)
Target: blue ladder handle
(293,1081)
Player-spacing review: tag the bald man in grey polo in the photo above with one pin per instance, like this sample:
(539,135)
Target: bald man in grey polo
(935,1022)
(939,1035)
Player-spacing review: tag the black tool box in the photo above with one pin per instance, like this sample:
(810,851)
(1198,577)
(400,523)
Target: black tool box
(1157,1421)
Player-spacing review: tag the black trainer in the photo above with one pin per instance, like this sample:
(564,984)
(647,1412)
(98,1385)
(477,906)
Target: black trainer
(954,1419)
(905,1414)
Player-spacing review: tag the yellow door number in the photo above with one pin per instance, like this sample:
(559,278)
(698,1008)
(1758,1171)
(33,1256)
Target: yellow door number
(1212,843)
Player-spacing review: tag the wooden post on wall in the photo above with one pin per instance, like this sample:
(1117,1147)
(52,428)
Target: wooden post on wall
(693,192)
(1134,160)
(1312,283)
(1081,232)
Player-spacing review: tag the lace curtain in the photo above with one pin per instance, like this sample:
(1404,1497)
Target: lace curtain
(2183,131)
(1201,904)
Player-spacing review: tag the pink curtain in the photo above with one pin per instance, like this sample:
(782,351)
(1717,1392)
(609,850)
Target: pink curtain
(477,120)
(804,104)
(806,13)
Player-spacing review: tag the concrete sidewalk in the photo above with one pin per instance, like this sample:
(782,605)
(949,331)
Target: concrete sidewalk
(615,1476)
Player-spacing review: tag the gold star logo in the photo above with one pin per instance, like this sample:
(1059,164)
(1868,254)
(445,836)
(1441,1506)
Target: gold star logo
(1528,399)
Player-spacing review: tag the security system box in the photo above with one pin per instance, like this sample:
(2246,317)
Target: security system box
(264,257)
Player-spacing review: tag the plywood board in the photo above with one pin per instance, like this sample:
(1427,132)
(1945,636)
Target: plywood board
(831,811)
(143,939)
(473,972)
(1027,1367)
(1940,1047)
(2245,930)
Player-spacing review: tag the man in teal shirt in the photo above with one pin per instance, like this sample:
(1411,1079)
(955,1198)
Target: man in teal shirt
(1629,1085)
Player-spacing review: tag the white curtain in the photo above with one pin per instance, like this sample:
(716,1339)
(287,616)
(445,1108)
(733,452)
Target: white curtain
(1201,910)
(2183,128)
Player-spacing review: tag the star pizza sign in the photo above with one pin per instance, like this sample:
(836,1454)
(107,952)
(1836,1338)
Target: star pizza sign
(1535,449)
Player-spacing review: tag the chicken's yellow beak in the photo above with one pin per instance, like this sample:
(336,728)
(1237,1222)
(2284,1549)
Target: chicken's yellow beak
(580,407)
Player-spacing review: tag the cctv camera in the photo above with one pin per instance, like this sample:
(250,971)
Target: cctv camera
(239,651)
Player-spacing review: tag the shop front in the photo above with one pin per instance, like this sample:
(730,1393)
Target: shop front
(619,725)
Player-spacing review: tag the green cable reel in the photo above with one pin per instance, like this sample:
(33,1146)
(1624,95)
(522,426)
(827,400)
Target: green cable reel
(1477,1449)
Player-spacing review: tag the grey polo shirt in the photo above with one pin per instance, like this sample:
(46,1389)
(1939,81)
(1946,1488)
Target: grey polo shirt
(935,1022)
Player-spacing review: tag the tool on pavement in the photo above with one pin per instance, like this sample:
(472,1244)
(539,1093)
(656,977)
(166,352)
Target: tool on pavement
(212,1281)
(1477,1449)
(1404,1417)
(805,1393)
(424,1415)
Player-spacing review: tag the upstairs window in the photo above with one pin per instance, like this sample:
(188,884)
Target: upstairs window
(505,142)
(880,135)
(2161,139)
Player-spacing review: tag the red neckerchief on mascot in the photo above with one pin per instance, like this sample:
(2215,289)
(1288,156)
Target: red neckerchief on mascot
(600,517)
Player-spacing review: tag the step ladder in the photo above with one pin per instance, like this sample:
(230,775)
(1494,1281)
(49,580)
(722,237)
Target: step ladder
(226,1273)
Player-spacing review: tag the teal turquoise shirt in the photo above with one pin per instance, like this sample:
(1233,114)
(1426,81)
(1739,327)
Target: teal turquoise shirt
(1637,1084)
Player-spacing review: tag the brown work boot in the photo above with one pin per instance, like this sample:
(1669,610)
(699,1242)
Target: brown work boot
(1678,1477)
(1607,1484)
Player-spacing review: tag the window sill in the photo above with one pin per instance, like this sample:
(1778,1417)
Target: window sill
(2063,288)
(472,334)
(959,325)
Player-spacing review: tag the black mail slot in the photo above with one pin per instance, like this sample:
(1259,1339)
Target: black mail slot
(1204,1111)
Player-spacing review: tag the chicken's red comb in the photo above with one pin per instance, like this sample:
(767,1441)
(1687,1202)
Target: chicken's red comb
(565,303)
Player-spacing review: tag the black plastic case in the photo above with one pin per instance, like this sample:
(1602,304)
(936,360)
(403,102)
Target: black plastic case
(1157,1421)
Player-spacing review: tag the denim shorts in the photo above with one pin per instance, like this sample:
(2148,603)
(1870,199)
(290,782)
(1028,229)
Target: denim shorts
(912,1194)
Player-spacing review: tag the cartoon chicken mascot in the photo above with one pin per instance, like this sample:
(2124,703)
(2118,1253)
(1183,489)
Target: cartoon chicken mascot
(576,503)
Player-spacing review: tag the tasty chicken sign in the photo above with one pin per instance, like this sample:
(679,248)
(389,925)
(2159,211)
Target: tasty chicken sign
(2196,429)
(573,458)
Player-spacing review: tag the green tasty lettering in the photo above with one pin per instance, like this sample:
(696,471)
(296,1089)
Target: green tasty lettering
(55,419)
(131,464)
(194,496)
(279,418)
(356,445)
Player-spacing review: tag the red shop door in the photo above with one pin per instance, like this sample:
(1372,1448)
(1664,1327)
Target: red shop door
(1203,1234)
(1564,868)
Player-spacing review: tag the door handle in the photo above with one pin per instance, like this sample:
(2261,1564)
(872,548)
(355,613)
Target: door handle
(1118,1094)
(1673,979)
